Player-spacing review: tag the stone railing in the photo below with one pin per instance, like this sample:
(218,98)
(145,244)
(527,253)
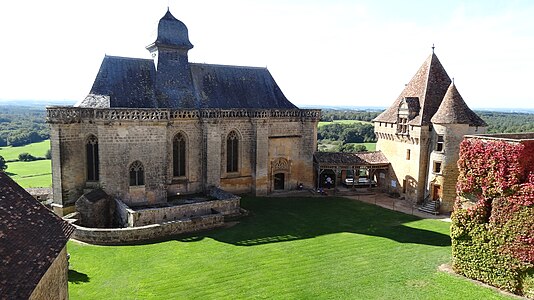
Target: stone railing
(69,114)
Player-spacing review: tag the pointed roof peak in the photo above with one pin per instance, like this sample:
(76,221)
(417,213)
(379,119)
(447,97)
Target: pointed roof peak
(172,32)
(428,85)
(454,110)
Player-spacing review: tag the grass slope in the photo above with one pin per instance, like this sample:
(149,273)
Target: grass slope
(31,174)
(36,149)
(296,248)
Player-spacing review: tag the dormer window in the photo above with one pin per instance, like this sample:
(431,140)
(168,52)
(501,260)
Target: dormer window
(408,109)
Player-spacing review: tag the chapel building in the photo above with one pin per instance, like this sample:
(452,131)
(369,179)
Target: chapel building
(153,128)
(420,135)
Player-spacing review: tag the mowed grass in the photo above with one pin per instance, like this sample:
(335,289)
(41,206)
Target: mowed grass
(343,122)
(36,149)
(288,248)
(32,173)
(328,145)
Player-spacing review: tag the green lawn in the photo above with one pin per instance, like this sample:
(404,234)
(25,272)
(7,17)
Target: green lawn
(343,122)
(36,149)
(31,174)
(296,248)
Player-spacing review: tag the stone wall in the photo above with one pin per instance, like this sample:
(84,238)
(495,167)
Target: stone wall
(128,135)
(453,134)
(53,284)
(409,171)
(114,236)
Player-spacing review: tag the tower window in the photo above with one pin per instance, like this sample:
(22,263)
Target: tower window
(439,144)
(137,174)
(232,152)
(178,155)
(437,167)
(402,125)
(91,153)
(408,154)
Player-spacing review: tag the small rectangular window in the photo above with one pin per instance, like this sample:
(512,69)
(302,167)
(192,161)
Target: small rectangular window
(407,154)
(437,167)
(439,144)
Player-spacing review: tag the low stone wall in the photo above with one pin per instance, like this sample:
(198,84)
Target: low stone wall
(113,236)
(147,216)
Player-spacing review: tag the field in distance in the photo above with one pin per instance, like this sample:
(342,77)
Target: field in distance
(36,173)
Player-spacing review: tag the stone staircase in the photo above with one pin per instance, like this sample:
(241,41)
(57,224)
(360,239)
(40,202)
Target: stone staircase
(431,207)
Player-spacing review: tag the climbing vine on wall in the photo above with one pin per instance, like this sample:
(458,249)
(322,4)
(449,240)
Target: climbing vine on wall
(493,221)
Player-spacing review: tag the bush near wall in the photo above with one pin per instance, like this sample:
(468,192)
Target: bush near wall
(493,221)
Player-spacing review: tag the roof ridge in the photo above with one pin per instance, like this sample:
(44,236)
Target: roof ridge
(228,66)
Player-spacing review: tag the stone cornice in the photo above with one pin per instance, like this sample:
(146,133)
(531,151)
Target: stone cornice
(69,114)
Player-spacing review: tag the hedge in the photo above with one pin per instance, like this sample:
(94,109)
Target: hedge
(492,227)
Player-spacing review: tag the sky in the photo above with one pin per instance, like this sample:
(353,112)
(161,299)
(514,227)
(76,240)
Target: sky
(331,52)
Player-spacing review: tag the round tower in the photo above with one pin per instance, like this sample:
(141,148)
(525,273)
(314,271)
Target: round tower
(450,123)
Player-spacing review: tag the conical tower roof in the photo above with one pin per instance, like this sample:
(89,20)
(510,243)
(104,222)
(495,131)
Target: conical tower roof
(454,110)
(429,86)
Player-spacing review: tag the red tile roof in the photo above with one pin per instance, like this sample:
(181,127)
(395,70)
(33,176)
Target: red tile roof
(31,237)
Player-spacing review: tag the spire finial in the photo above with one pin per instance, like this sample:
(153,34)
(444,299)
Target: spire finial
(433,48)
(453,80)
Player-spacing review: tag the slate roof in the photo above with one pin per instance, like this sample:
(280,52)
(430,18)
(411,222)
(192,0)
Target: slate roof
(429,85)
(31,237)
(125,82)
(453,110)
(172,32)
(346,159)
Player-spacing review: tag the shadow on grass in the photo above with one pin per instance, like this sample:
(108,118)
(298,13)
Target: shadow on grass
(284,219)
(9,173)
(77,277)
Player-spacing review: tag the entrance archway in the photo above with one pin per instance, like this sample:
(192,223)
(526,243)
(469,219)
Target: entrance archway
(279,181)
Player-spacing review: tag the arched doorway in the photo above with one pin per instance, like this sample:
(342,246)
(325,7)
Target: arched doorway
(279,181)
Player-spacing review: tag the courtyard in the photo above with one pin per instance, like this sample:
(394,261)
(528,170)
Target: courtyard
(287,248)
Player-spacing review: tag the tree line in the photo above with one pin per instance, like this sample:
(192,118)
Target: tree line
(22,125)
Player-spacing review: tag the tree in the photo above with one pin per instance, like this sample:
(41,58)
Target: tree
(24,156)
(48,155)
(3,165)
(351,148)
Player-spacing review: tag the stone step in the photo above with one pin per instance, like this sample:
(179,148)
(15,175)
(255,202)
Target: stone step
(429,207)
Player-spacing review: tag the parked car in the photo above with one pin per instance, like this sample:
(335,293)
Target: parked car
(362,181)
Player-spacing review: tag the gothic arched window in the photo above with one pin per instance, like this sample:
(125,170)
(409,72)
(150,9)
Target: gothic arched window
(137,174)
(91,153)
(178,155)
(232,152)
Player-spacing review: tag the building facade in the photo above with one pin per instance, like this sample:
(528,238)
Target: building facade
(420,134)
(153,128)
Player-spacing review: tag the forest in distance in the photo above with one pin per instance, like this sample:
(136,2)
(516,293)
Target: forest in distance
(22,125)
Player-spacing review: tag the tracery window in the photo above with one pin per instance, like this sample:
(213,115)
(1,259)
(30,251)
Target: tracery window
(232,152)
(137,174)
(91,153)
(178,155)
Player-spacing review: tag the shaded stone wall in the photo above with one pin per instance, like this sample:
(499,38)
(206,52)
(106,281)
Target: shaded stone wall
(53,284)
(112,236)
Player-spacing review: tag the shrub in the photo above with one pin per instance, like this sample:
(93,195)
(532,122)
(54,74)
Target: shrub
(3,165)
(24,156)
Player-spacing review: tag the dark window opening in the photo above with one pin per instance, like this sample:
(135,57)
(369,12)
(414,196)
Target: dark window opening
(91,151)
(137,174)
(232,153)
(439,145)
(178,155)
(437,167)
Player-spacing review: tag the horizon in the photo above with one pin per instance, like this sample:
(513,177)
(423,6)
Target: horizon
(341,50)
